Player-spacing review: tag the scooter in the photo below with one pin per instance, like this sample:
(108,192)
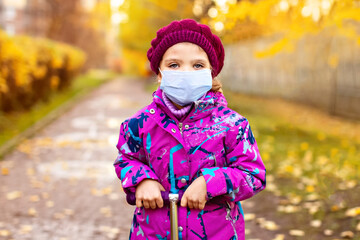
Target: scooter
(170,199)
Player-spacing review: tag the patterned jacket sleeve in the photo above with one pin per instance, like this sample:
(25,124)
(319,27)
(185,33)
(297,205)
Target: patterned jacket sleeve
(130,165)
(245,174)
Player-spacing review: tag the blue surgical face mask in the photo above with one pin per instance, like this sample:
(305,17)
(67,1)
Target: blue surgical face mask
(185,87)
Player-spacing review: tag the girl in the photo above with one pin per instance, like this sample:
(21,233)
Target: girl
(188,140)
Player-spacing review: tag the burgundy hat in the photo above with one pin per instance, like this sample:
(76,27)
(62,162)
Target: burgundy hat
(187,30)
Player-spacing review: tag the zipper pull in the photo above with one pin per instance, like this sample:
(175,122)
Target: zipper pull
(180,128)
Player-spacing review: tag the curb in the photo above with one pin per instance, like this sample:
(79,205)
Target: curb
(46,120)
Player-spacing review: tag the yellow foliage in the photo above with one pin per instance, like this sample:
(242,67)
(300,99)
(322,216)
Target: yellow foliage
(24,60)
(292,19)
(274,49)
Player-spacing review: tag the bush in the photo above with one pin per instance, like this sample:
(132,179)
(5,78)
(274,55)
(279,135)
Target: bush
(33,68)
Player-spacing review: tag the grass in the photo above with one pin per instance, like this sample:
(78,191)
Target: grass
(310,156)
(11,125)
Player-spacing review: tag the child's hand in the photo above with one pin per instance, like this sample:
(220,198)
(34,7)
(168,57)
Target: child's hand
(148,194)
(195,194)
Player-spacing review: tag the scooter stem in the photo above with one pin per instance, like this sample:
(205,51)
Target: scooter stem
(174,198)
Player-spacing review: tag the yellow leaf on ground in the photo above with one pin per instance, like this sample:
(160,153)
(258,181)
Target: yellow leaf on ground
(49,204)
(69,212)
(297,233)
(347,234)
(32,212)
(4,171)
(358,227)
(288,209)
(5,233)
(106,211)
(279,237)
(310,188)
(316,223)
(328,232)
(45,195)
(249,216)
(34,198)
(271,226)
(13,195)
(107,191)
(25,229)
(353,212)
(30,172)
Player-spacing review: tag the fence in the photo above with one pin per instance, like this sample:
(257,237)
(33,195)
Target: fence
(322,71)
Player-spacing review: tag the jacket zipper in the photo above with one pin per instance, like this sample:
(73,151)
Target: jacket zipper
(181,128)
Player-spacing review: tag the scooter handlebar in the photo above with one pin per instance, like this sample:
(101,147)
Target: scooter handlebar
(131,199)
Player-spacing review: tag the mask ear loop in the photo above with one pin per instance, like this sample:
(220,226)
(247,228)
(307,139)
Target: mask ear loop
(159,79)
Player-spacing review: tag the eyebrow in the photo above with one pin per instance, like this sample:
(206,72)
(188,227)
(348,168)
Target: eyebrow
(199,60)
(203,60)
(172,60)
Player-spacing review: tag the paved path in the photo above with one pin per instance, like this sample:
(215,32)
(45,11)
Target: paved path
(61,185)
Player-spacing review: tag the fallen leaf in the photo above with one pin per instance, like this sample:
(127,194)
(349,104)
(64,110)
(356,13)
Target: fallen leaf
(25,229)
(5,233)
(69,212)
(353,212)
(49,204)
(13,195)
(297,233)
(312,197)
(96,192)
(249,216)
(351,184)
(279,237)
(30,172)
(335,208)
(310,188)
(47,178)
(347,234)
(270,225)
(295,200)
(328,232)
(4,171)
(107,191)
(316,223)
(45,195)
(288,209)
(32,212)
(34,198)
(106,211)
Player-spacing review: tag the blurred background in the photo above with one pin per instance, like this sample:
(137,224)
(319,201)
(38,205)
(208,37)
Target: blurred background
(292,67)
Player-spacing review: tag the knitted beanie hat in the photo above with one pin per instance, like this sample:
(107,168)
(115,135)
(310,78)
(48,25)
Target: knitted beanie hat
(187,30)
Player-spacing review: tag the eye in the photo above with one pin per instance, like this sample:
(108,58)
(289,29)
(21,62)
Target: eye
(198,65)
(173,65)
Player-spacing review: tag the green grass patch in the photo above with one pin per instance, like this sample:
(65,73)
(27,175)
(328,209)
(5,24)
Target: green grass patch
(312,159)
(302,143)
(13,124)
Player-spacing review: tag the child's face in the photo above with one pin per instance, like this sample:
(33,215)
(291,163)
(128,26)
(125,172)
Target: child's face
(184,56)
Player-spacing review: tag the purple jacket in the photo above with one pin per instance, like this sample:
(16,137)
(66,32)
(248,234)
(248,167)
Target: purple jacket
(213,141)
